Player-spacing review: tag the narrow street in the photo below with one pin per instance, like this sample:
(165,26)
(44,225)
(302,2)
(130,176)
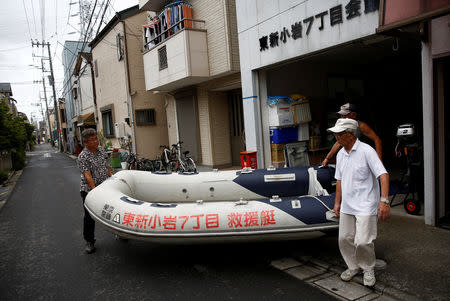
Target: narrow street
(42,255)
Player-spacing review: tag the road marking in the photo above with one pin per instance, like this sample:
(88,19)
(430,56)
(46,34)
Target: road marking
(47,155)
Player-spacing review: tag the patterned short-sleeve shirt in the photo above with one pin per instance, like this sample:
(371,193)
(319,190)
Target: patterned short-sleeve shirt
(97,164)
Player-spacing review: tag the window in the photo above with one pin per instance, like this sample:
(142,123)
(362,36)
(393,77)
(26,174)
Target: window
(75,93)
(107,121)
(145,117)
(162,54)
(119,47)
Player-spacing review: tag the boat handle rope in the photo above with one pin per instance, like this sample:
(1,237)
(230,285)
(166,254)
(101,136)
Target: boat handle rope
(126,183)
(314,197)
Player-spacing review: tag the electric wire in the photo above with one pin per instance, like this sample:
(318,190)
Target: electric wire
(82,48)
(26,16)
(34,19)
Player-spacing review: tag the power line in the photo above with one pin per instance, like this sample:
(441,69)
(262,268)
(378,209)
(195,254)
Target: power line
(42,8)
(34,19)
(26,16)
(56,19)
(13,49)
(101,20)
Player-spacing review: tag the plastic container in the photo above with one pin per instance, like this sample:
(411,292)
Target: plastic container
(279,135)
(248,159)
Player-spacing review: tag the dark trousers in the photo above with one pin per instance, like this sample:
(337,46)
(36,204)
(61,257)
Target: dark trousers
(88,222)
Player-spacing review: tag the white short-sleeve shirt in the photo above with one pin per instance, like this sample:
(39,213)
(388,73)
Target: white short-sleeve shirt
(358,172)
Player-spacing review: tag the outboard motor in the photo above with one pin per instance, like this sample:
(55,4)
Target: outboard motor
(408,147)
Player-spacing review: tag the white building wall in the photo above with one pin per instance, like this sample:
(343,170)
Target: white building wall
(86,91)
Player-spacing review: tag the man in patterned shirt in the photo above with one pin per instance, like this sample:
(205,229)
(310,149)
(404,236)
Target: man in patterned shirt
(95,168)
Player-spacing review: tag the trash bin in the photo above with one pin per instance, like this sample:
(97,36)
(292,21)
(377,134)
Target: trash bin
(248,159)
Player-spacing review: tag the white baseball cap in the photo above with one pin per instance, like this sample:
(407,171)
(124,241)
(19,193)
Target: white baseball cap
(343,124)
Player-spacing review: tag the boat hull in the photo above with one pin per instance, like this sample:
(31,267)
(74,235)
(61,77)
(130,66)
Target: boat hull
(132,204)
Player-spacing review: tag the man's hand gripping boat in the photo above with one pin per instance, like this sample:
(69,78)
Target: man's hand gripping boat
(215,206)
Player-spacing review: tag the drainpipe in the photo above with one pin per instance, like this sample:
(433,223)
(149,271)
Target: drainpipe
(130,94)
(94,94)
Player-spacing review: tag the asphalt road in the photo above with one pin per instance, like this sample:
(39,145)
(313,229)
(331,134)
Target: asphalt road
(42,253)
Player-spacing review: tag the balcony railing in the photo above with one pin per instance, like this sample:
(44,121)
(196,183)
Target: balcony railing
(152,41)
(176,58)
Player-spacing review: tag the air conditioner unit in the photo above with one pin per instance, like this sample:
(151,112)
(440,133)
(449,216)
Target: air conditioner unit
(119,129)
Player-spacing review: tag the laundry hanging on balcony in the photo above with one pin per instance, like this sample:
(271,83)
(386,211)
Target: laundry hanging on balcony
(169,21)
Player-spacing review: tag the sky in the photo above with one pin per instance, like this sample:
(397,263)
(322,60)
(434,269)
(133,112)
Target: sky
(53,21)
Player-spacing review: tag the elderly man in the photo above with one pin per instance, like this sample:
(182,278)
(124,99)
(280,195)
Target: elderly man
(94,167)
(349,111)
(357,200)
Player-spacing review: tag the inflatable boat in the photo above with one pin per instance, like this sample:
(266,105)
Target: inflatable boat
(216,206)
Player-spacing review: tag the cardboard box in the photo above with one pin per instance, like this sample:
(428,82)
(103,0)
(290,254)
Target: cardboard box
(301,112)
(280,114)
(277,151)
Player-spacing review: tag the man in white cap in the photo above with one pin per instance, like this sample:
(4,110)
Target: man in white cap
(349,111)
(357,200)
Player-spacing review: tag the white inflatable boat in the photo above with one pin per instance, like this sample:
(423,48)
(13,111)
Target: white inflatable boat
(215,206)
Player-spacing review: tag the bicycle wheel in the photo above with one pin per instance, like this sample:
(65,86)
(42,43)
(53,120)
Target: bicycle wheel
(149,165)
(190,165)
(172,166)
(157,165)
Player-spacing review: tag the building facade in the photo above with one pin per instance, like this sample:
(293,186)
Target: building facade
(191,57)
(70,54)
(129,116)
(334,52)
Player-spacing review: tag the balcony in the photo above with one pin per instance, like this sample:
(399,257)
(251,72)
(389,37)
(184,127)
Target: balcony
(176,58)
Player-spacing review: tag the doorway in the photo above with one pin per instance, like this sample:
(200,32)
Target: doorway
(237,134)
(187,125)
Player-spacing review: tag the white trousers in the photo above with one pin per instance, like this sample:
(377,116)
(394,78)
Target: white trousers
(356,236)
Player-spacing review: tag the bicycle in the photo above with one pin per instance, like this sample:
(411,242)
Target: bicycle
(185,164)
(165,161)
(139,164)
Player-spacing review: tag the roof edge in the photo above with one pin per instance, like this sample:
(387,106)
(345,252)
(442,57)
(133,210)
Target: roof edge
(119,16)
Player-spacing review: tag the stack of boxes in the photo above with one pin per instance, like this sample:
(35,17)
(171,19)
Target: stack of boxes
(288,122)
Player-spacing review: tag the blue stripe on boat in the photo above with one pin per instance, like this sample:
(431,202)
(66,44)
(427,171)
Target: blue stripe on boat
(311,211)
(254,181)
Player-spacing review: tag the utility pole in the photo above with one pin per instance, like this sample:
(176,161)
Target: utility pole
(53,86)
(46,105)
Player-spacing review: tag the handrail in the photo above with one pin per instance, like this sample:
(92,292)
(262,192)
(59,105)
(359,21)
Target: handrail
(171,28)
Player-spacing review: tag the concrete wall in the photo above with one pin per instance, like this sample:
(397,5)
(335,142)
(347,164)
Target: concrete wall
(440,46)
(220,18)
(204,123)
(187,56)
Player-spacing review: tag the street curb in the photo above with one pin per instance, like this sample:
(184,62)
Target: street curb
(11,183)
(380,288)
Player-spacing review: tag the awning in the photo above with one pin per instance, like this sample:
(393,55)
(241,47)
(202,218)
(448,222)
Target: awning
(86,119)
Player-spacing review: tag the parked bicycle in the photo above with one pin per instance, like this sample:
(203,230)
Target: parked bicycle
(139,164)
(165,161)
(184,162)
